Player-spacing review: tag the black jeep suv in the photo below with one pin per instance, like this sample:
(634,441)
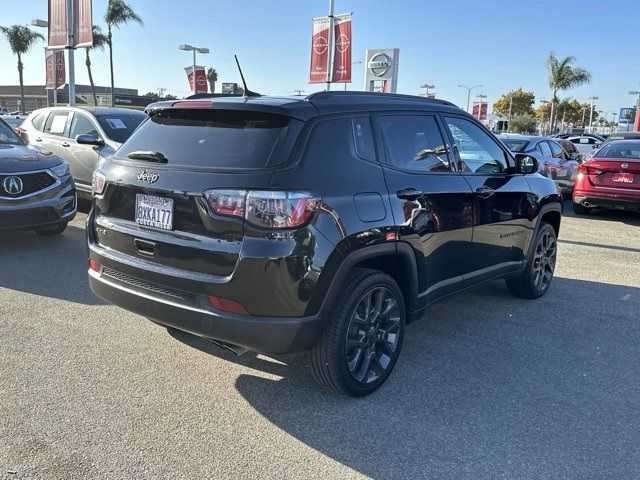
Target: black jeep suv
(323,223)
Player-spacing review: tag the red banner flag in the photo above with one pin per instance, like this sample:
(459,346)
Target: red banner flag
(342,51)
(56,73)
(319,51)
(201,80)
(483,110)
(82,24)
(57,24)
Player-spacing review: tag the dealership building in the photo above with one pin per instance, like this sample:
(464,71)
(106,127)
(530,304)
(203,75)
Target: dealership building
(36,96)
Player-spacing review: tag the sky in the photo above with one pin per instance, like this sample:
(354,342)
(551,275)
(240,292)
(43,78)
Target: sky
(500,44)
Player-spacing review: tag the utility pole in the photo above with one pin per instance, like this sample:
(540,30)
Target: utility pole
(427,86)
(593,98)
(331,42)
(615,125)
(161,91)
(510,104)
(469,92)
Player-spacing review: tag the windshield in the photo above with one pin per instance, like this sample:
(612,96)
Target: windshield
(628,151)
(210,138)
(515,144)
(8,136)
(120,126)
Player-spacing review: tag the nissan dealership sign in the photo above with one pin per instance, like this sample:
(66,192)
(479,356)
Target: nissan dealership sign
(381,72)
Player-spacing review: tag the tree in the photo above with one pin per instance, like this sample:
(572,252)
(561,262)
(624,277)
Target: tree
(212,77)
(525,123)
(570,109)
(21,39)
(99,41)
(522,103)
(562,76)
(118,13)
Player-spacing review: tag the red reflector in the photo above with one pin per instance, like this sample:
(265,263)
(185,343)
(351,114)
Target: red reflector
(93,265)
(391,236)
(226,305)
(189,104)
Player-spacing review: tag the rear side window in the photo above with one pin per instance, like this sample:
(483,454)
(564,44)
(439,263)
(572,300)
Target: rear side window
(544,149)
(38,121)
(363,137)
(557,151)
(414,142)
(211,138)
(56,123)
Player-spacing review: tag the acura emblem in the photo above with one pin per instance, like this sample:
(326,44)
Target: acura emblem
(148,177)
(13,185)
(624,165)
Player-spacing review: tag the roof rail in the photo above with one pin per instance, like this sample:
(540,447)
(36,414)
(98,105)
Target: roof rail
(400,96)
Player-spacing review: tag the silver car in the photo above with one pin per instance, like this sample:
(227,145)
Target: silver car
(553,160)
(84,137)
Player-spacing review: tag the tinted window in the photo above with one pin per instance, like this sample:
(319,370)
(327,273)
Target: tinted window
(81,125)
(38,121)
(556,150)
(414,142)
(629,151)
(363,137)
(479,153)
(515,145)
(211,138)
(544,149)
(120,126)
(8,135)
(56,123)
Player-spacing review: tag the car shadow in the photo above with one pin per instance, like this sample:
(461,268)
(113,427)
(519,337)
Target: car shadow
(487,386)
(47,266)
(625,216)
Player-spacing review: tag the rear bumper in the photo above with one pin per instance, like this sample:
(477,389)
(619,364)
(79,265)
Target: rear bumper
(616,201)
(271,335)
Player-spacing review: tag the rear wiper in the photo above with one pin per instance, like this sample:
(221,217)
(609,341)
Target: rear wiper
(149,156)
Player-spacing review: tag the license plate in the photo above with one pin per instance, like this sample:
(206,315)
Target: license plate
(623,177)
(152,211)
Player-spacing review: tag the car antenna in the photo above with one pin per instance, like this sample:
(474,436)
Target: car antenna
(247,92)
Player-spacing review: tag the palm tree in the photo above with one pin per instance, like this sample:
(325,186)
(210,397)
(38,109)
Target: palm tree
(562,76)
(21,39)
(118,13)
(212,77)
(99,41)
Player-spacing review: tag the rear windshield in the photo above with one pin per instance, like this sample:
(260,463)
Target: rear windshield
(629,151)
(210,138)
(515,145)
(120,126)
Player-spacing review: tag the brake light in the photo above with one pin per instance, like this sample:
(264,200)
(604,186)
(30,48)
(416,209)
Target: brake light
(19,130)
(265,208)
(192,104)
(586,170)
(583,169)
(98,183)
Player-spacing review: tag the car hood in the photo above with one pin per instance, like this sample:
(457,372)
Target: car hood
(20,158)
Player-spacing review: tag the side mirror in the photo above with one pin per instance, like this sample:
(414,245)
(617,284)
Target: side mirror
(526,164)
(87,139)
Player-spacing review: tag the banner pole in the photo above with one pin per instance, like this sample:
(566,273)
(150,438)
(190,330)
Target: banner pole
(331,45)
(70,49)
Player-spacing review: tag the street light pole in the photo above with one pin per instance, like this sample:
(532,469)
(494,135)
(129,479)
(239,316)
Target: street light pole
(331,42)
(543,103)
(187,47)
(510,104)
(593,98)
(36,22)
(427,86)
(469,92)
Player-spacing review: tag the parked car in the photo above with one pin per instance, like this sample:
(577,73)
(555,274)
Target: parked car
(36,189)
(322,223)
(586,144)
(624,136)
(84,137)
(4,111)
(565,136)
(13,121)
(554,162)
(611,179)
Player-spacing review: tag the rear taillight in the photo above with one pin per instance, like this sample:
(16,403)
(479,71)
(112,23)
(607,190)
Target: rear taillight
(98,183)
(19,130)
(265,208)
(587,170)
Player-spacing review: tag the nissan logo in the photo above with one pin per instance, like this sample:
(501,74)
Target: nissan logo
(380,64)
(624,165)
(148,177)
(13,185)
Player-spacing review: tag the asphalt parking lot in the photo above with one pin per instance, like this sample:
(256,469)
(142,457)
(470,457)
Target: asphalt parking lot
(487,386)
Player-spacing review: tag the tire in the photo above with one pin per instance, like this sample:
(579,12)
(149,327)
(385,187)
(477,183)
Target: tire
(54,230)
(359,348)
(535,279)
(580,209)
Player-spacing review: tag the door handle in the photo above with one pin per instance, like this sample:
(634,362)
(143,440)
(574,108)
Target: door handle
(65,144)
(38,139)
(409,193)
(485,192)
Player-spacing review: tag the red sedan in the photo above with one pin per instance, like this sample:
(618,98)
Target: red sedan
(611,179)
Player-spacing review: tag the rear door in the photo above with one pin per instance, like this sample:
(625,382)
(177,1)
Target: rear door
(83,159)
(501,202)
(429,198)
(55,131)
